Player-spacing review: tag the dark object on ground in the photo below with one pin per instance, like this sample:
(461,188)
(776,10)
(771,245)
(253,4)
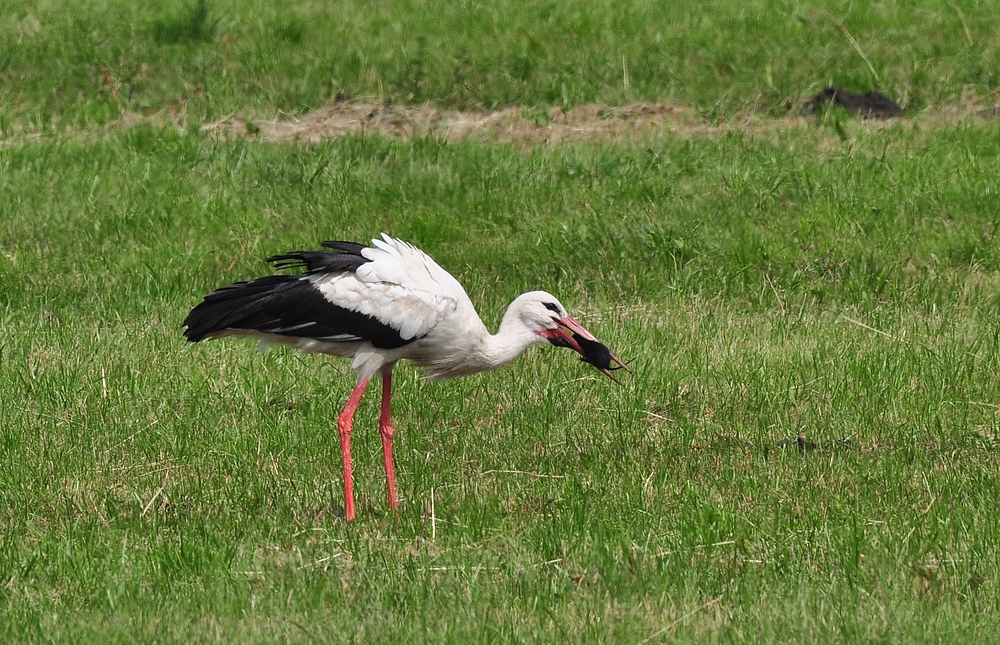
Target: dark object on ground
(869,105)
(803,445)
(990,113)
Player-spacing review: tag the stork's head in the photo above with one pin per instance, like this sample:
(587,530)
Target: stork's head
(543,314)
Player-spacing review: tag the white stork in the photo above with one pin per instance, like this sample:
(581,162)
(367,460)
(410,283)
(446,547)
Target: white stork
(378,304)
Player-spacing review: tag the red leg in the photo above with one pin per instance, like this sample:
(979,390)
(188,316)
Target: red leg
(387,431)
(345,424)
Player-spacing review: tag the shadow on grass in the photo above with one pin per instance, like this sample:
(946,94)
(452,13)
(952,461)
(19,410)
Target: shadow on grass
(194,25)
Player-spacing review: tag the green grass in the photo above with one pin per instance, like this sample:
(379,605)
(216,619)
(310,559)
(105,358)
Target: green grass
(837,284)
(65,65)
(155,490)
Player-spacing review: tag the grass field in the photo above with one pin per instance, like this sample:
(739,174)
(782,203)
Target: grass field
(66,64)
(807,450)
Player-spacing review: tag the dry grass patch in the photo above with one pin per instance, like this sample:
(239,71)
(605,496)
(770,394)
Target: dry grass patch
(523,126)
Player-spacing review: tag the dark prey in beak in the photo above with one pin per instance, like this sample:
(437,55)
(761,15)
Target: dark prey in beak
(594,352)
(597,354)
(569,333)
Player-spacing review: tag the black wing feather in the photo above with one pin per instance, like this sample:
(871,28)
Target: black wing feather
(285,306)
(291,305)
(345,257)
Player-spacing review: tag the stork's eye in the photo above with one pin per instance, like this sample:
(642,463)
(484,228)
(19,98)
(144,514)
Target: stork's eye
(551,306)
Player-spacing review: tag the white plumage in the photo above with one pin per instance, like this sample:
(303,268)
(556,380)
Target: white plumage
(380,304)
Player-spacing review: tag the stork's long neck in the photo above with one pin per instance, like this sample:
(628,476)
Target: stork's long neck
(510,341)
(479,351)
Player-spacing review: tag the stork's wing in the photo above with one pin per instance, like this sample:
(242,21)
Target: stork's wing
(389,294)
(400,286)
(396,262)
(285,307)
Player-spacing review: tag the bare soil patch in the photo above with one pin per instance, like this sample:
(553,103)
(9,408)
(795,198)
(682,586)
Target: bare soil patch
(516,125)
(512,125)
(524,126)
